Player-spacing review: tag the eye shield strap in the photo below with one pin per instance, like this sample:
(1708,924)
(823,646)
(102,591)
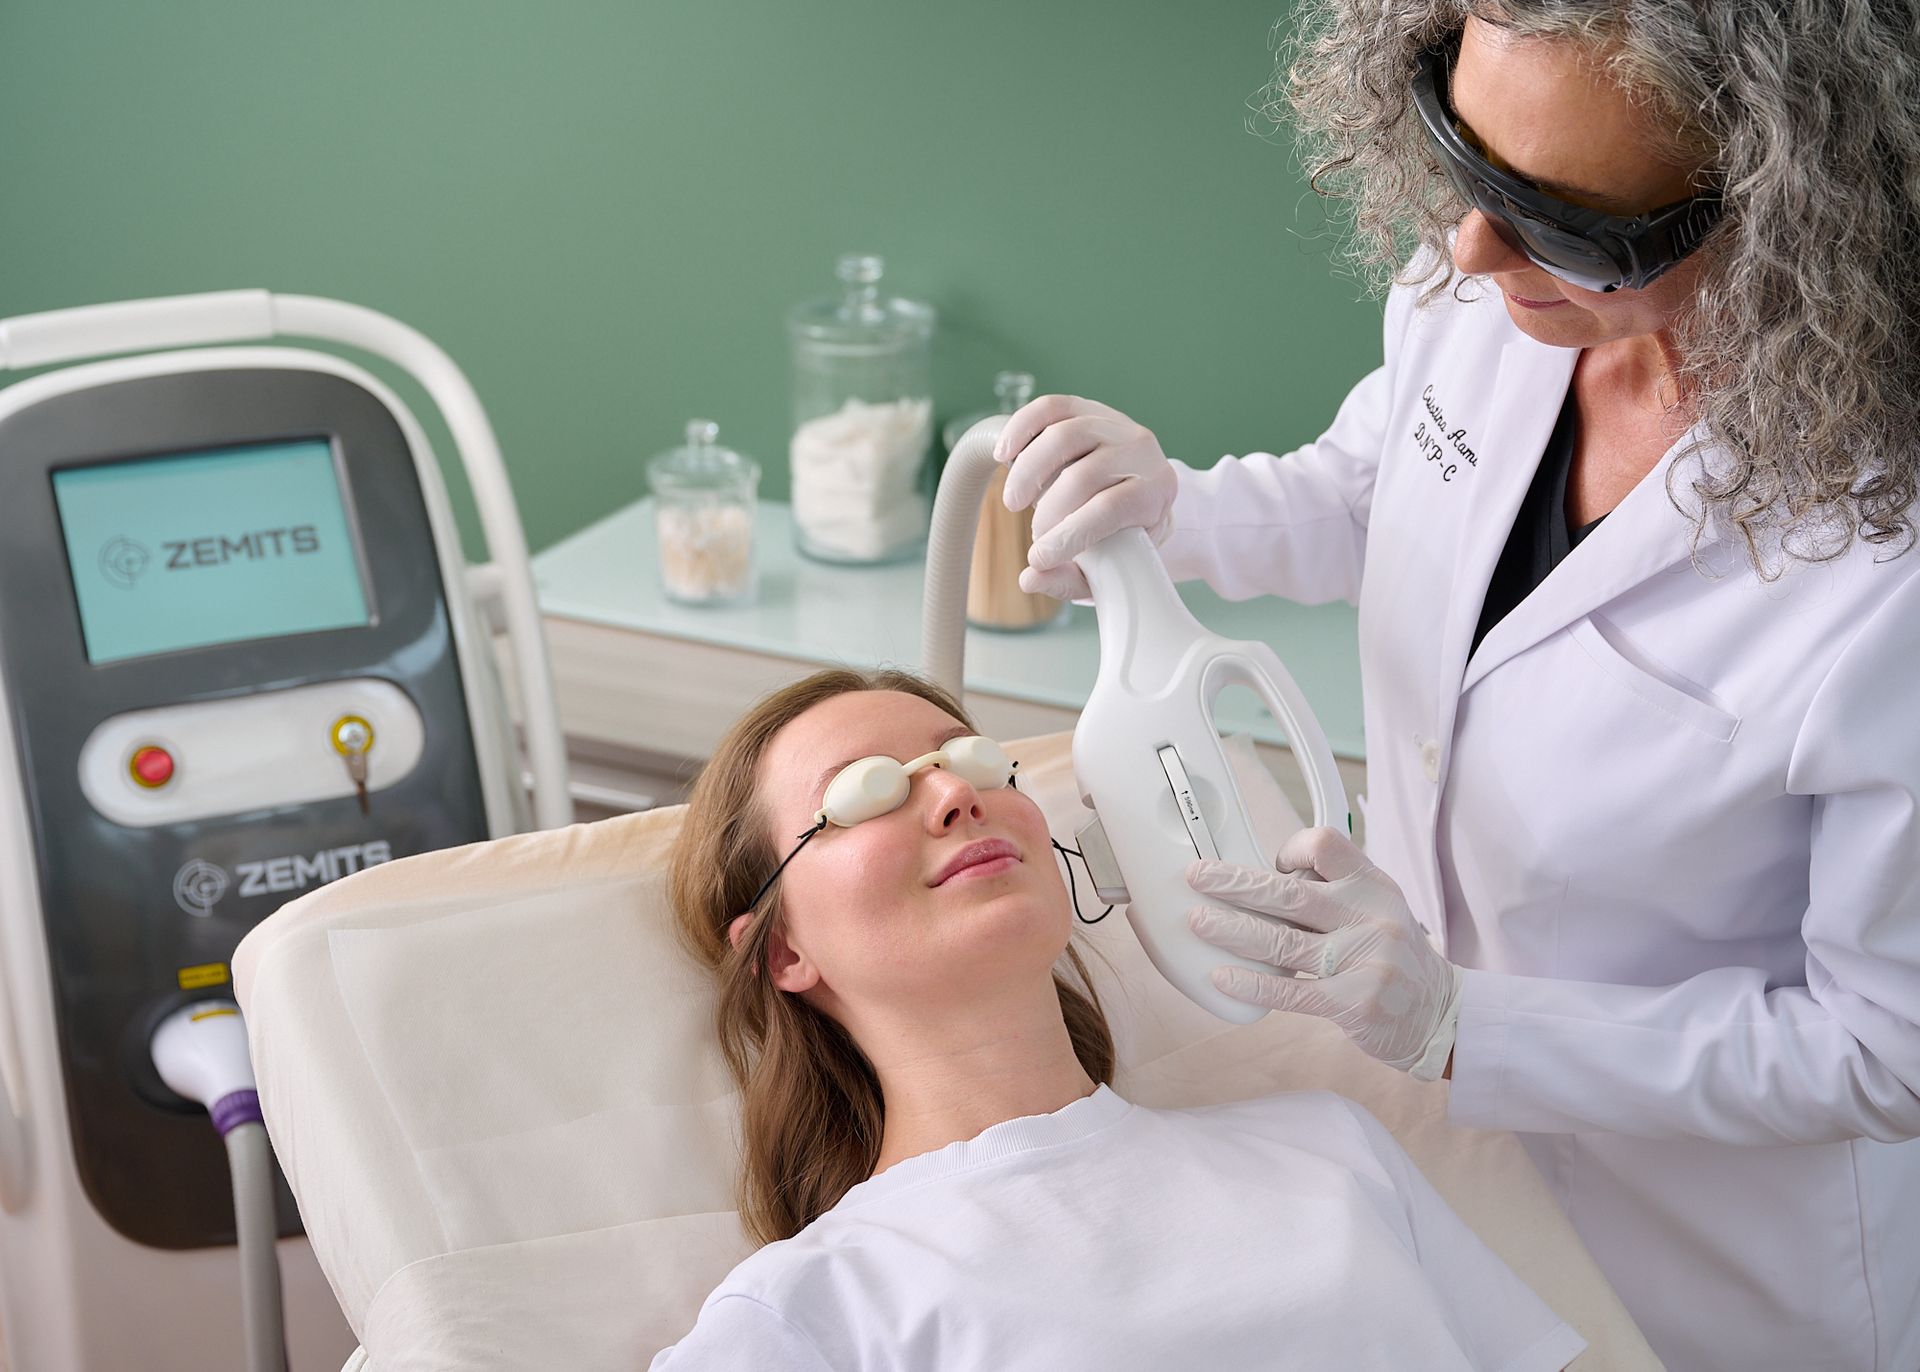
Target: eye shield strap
(767,885)
(1590,248)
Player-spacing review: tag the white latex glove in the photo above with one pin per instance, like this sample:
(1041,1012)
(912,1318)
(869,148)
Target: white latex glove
(1092,471)
(1378,977)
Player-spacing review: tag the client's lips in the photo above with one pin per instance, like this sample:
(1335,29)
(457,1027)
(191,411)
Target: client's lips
(974,854)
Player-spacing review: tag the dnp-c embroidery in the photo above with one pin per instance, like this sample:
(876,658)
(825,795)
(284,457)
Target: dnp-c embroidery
(1445,449)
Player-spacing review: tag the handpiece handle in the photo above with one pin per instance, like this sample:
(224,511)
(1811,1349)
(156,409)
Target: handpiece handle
(1257,667)
(1149,759)
(1146,628)
(1144,625)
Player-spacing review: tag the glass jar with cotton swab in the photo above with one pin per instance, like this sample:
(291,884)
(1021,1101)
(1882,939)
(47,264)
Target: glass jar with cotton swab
(704,506)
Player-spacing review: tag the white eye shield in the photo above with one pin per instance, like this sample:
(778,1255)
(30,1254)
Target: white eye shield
(874,786)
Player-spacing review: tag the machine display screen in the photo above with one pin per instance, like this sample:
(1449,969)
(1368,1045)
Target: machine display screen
(196,549)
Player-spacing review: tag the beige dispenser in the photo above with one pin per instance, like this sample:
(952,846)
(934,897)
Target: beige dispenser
(994,597)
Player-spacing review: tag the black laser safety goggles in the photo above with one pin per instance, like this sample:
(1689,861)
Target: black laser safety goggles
(1588,248)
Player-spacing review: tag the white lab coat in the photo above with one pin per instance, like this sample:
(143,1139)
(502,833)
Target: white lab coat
(1667,814)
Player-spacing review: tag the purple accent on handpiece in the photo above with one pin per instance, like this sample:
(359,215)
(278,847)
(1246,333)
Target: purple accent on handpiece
(235,1109)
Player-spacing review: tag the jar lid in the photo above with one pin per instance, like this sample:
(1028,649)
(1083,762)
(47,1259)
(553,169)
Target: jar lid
(860,317)
(1010,389)
(702,465)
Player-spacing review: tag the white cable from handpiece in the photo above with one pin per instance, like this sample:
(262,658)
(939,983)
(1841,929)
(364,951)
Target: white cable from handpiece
(250,1157)
(201,1052)
(956,515)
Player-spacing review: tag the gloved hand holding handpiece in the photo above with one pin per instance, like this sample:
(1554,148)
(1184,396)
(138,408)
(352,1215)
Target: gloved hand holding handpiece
(1088,471)
(1372,970)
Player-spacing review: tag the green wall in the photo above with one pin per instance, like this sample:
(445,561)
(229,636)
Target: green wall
(603,210)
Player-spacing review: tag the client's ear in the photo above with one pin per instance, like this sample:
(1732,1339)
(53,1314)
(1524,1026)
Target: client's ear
(790,969)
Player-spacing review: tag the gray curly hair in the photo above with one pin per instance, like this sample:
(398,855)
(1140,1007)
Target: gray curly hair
(1801,347)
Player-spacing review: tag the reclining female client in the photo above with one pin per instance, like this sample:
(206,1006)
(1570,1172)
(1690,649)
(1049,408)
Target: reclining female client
(933,1160)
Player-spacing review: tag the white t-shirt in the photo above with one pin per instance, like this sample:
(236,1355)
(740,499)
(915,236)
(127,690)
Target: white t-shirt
(1287,1232)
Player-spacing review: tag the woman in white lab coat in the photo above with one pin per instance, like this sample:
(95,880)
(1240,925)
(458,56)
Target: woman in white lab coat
(1628,513)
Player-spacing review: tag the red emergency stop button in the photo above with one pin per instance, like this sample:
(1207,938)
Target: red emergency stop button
(152,767)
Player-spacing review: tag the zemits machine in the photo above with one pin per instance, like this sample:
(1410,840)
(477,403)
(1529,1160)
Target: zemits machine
(1146,750)
(241,656)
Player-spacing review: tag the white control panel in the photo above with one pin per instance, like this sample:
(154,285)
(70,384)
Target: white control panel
(223,757)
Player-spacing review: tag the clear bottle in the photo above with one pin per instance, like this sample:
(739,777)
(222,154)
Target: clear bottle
(863,420)
(1001,541)
(704,503)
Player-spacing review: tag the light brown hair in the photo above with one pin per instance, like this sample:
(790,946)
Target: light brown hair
(811,1108)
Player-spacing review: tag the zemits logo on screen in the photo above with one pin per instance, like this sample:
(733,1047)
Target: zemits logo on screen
(254,547)
(124,559)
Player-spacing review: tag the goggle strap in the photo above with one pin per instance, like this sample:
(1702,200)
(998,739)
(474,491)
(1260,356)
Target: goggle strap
(819,824)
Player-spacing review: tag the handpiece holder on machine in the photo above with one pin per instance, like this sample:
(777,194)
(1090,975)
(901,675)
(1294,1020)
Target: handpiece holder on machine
(1146,752)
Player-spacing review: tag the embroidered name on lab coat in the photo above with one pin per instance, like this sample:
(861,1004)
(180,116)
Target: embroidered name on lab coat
(1445,449)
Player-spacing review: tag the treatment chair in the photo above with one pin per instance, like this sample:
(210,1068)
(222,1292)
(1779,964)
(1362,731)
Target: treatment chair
(492,1080)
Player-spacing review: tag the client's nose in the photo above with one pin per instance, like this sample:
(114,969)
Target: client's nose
(950,799)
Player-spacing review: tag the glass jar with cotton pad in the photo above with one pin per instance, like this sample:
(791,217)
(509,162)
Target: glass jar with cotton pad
(704,503)
(863,420)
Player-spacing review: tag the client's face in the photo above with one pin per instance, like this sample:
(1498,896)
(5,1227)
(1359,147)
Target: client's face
(955,891)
